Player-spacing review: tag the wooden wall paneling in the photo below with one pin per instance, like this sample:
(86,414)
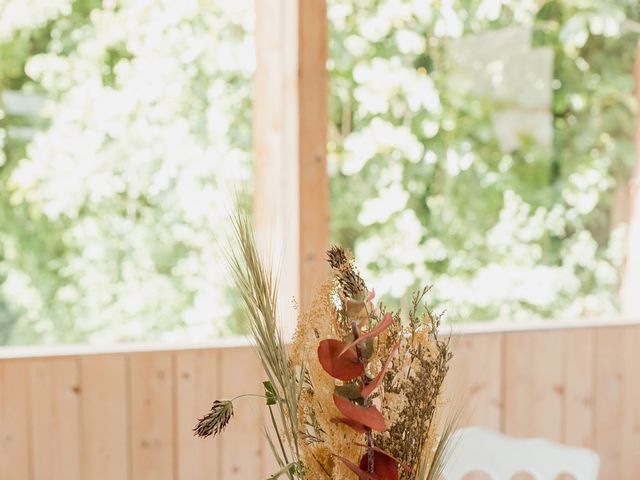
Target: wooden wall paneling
(242,445)
(152,409)
(579,387)
(609,402)
(104,417)
(631,404)
(475,379)
(198,386)
(14,421)
(617,416)
(54,403)
(534,384)
(129,416)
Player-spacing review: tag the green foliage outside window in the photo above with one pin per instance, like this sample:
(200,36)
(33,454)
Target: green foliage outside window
(111,214)
(421,188)
(110,198)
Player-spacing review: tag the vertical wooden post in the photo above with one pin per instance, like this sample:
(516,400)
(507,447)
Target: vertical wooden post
(290,136)
(630,291)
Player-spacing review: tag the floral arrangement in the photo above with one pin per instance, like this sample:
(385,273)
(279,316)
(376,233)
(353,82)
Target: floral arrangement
(357,394)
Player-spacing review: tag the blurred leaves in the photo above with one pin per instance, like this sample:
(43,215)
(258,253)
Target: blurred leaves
(110,213)
(421,190)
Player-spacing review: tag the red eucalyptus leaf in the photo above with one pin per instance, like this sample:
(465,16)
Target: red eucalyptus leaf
(362,474)
(385,467)
(358,427)
(367,416)
(370,387)
(343,367)
(398,461)
(382,325)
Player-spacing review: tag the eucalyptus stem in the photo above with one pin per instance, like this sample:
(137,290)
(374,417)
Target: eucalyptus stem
(367,401)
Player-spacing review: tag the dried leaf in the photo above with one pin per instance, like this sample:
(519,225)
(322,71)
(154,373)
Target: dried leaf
(362,475)
(398,461)
(343,367)
(385,323)
(358,427)
(367,416)
(369,388)
(366,349)
(352,391)
(385,467)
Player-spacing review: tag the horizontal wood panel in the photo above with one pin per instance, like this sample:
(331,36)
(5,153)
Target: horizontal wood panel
(129,415)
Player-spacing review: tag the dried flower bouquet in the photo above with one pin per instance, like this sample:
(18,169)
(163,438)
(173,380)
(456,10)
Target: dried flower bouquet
(358,393)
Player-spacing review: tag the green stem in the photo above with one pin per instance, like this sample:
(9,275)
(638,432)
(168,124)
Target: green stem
(247,395)
(277,431)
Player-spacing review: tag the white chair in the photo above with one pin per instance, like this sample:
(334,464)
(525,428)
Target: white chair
(501,457)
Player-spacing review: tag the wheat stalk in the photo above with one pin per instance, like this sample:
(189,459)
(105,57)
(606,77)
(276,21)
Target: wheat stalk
(258,290)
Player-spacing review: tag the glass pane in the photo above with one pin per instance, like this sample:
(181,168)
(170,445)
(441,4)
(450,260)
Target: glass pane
(122,124)
(484,147)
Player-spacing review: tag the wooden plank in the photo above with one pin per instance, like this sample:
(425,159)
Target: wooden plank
(198,378)
(104,417)
(474,381)
(242,446)
(54,403)
(291,201)
(579,387)
(609,401)
(152,448)
(275,143)
(14,423)
(313,117)
(617,417)
(533,384)
(630,434)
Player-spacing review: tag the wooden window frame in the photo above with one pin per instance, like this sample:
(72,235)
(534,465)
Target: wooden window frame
(291,202)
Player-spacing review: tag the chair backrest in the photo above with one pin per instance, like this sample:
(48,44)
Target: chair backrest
(501,457)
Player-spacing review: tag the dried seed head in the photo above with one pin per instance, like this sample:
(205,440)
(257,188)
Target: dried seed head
(215,420)
(346,274)
(337,256)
